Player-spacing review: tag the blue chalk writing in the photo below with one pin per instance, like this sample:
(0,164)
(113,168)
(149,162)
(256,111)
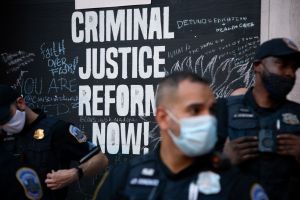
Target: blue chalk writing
(55,56)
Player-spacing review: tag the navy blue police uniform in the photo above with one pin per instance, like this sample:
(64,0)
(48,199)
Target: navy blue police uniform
(17,182)
(241,116)
(147,178)
(48,144)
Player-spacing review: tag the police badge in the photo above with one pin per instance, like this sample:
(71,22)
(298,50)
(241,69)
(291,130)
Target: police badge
(39,134)
(290,118)
(209,182)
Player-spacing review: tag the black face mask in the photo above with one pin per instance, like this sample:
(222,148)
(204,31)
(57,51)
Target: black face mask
(277,86)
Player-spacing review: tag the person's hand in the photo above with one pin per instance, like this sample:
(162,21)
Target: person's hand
(289,145)
(61,178)
(241,149)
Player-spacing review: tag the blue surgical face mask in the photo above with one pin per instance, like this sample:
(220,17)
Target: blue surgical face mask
(198,135)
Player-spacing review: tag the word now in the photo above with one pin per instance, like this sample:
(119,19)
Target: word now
(114,138)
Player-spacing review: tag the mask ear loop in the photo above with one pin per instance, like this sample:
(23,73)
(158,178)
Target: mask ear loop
(172,116)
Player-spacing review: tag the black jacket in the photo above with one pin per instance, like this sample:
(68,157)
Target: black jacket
(146,177)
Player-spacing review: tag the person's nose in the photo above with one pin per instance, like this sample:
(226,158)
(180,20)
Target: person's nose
(206,112)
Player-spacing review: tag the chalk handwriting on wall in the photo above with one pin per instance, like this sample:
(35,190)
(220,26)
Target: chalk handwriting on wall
(16,60)
(221,24)
(35,86)
(55,96)
(15,64)
(55,55)
(222,69)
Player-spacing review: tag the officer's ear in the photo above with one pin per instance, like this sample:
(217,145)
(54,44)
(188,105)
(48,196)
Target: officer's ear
(162,118)
(21,104)
(256,66)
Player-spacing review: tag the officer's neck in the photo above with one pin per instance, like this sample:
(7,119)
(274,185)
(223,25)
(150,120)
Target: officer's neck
(175,160)
(262,97)
(30,116)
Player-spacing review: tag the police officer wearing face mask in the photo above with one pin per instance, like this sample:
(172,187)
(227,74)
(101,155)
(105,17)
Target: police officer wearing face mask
(45,144)
(263,127)
(184,166)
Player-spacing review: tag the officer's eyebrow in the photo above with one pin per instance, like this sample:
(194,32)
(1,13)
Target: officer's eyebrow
(199,106)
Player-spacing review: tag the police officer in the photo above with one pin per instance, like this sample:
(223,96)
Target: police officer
(46,144)
(263,126)
(183,167)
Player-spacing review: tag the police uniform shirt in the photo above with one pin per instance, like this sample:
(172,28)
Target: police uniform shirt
(10,188)
(49,144)
(241,116)
(147,177)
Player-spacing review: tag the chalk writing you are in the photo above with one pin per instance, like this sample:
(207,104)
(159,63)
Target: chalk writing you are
(55,55)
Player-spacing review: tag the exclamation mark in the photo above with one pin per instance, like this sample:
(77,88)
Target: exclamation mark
(146,137)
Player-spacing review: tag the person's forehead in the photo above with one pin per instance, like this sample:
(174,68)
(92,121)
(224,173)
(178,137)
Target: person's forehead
(194,92)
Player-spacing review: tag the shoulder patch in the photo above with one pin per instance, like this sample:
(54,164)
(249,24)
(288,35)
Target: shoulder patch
(258,193)
(30,182)
(77,133)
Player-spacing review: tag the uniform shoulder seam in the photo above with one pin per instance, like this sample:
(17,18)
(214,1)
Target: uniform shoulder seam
(142,159)
(235,99)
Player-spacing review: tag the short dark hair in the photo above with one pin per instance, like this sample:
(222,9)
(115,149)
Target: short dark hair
(170,83)
(8,96)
